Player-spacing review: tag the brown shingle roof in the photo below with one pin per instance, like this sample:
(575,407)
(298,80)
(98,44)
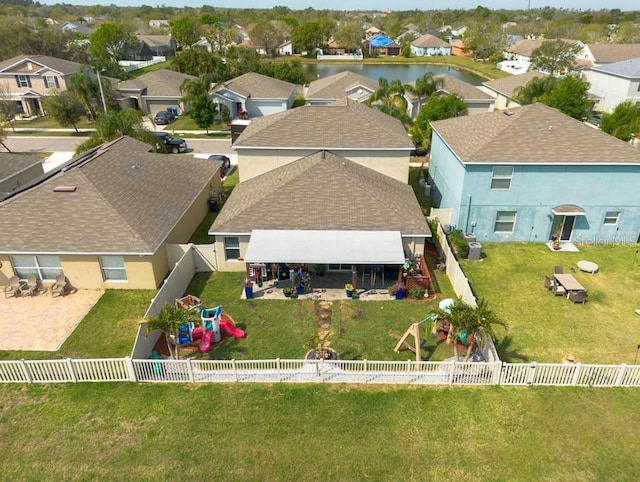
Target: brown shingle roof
(531,134)
(507,85)
(322,191)
(607,53)
(60,65)
(159,83)
(127,201)
(258,86)
(337,126)
(452,85)
(11,163)
(429,40)
(335,86)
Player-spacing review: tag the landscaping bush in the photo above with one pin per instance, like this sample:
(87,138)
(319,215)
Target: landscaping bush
(458,244)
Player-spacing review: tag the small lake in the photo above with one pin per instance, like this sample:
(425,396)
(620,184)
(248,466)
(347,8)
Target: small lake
(405,72)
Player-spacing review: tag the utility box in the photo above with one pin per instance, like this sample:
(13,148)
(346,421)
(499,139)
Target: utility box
(470,237)
(475,251)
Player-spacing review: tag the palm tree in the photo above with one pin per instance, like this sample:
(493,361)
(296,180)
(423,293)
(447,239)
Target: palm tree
(193,89)
(169,319)
(425,87)
(390,99)
(535,90)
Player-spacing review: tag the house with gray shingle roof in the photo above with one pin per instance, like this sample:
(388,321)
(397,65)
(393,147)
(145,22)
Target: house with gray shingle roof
(255,95)
(348,129)
(476,100)
(29,78)
(154,91)
(328,90)
(105,218)
(504,89)
(16,170)
(614,83)
(595,55)
(320,209)
(429,45)
(531,173)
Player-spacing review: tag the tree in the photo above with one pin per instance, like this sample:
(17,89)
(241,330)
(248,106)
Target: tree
(193,89)
(64,107)
(484,39)
(534,90)
(111,42)
(86,89)
(306,37)
(186,31)
(425,86)
(571,96)
(168,320)
(3,138)
(214,31)
(203,112)
(289,71)
(199,61)
(437,108)
(266,36)
(113,124)
(554,57)
(390,99)
(623,122)
(8,106)
(349,35)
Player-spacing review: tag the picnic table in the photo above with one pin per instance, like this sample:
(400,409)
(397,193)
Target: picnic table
(569,282)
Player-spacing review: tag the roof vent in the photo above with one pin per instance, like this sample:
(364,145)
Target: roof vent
(551,128)
(65,189)
(508,113)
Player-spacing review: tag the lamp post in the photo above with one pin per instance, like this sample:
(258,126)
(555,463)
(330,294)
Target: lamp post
(104,103)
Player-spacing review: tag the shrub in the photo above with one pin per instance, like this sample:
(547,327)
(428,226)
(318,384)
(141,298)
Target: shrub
(458,244)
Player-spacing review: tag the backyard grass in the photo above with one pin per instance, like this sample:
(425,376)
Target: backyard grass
(544,327)
(126,431)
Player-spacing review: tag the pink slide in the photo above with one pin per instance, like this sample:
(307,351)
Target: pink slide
(232,329)
(205,343)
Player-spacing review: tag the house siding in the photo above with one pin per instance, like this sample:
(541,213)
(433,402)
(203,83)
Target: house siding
(612,90)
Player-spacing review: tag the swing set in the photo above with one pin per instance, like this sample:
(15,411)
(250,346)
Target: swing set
(414,330)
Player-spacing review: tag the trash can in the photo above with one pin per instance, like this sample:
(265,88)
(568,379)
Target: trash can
(174,111)
(248,291)
(469,237)
(475,251)
(427,190)
(213,205)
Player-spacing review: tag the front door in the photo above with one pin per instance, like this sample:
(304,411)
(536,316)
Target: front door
(562,227)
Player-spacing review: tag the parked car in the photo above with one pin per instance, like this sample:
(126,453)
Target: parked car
(164,117)
(595,119)
(226,162)
(173,144)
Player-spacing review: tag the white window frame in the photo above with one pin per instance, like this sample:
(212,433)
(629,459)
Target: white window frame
(611,218)
(40,267)
(503,222)
(230,247)
(23,81)
(499,178)
(50,81)
(111,267)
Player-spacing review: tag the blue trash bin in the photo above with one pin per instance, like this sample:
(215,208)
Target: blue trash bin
(248,291)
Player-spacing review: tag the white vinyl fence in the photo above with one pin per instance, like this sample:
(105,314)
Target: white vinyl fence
(319,371)
(454,272)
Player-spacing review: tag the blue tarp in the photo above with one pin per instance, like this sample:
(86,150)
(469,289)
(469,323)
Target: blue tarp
(380,41)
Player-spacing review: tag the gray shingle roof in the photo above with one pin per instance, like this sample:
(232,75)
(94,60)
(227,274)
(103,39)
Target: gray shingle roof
(607,53)
(335,86)
(532,134)
(322,191)
(629,69)
(60,65)
(127,200)
(336,126)
(452,85)
(507,85)
(11,163)
(258,86)
(429,40)
(159,83)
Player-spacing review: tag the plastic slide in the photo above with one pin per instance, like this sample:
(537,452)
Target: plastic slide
(205,343)
(232,329)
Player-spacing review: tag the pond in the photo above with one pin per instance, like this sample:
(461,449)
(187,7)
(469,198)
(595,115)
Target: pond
(405,72)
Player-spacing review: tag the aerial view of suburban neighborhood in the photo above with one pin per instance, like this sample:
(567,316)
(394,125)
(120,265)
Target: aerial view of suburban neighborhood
(313,241)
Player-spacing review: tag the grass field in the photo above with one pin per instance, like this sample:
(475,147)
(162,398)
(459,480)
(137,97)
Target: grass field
(293,433)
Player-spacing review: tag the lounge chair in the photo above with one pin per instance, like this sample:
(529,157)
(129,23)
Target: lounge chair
(558,270)
(577,296)
(548,283)
(60,286)
(30,287)
(14,288)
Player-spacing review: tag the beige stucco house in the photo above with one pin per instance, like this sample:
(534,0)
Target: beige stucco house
(504,89)
(328,90)
(104,219)
(154,91)
(347,128)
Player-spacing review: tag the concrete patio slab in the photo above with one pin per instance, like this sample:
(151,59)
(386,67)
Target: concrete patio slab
(42,323)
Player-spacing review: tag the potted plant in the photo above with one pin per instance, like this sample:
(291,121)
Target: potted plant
(397,290)
(287,292)
(416,293)
(318,346)
(349,289)
(319,269)
(556,239)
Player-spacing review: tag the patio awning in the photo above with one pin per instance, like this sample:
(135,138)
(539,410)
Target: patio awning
(568,210)
(324,247)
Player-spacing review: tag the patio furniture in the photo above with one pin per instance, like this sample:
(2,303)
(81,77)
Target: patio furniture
(30,287)
(558,270)
(548,283)
(558,289)
(14,288)
(60,286)
(587,266)
(577,296)
(569,282)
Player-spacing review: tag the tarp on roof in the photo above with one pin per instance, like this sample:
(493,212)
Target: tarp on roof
(324,247)
(380,41)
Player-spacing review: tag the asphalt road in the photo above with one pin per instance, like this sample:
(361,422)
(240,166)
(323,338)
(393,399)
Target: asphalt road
(69,144)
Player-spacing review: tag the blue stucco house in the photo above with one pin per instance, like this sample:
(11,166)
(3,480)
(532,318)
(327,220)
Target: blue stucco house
(531,173)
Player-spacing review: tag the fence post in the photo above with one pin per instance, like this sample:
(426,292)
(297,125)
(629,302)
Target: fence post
(278,369)
(366,371)
(409,371)
(190,370)
(452,364)
(25,371)
(72,371)
(621,373)
(130,370)
(576,374)
(235,369)
(531,376)
(497,372)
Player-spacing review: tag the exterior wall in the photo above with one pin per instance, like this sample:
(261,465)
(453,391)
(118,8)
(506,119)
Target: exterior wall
(222,264)
(154,105)
(479,107)
(446,177)
(253,162)
(611,90)
(430,51)
(12,183)
(262,107)
(413,246)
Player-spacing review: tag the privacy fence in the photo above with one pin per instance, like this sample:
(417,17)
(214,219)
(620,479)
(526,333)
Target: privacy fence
(319,371)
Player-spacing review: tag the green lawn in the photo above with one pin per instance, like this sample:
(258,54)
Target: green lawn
(48,122)
(231,432)
(544,327)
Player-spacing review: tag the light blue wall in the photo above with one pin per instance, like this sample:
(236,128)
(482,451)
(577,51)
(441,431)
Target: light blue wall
(534,191)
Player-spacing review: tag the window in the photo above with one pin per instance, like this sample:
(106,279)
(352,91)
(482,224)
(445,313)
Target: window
(611,218)
(112,268)
(501,177)
(51,82)
(44,267)
(232,248)
(505,221)
(23,81)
